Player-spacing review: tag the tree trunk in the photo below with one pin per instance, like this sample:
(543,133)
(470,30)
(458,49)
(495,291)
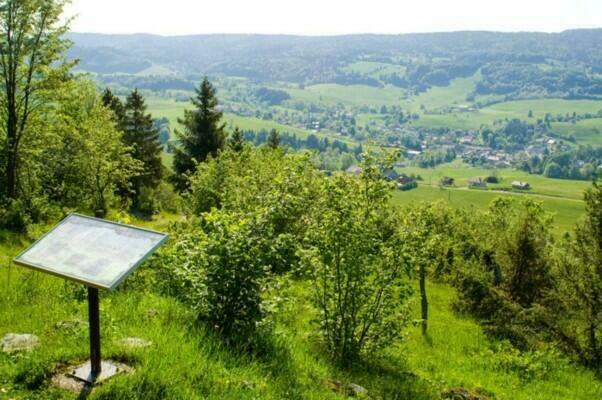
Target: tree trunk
(11,157)
(423,300)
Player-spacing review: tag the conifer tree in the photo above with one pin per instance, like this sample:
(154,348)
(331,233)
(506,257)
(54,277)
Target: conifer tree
(579,283)
(203,135)
(274,139)
(113,103)
(141,135)
(237,140)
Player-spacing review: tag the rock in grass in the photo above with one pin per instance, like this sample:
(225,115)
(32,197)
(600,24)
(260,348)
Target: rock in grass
(351,389)
(355,390)
(73,325)
(135,343)
(14,342)
(465,394)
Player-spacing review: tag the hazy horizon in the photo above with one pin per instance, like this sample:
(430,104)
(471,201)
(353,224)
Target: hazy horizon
(332,18)
(325,35)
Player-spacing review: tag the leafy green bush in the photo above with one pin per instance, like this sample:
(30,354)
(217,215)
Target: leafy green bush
(358,263)
(14,216)
(528,365)
(233,275)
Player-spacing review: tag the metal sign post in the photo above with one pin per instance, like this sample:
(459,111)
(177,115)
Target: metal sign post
(99,254)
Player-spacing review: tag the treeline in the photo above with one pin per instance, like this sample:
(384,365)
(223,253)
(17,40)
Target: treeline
(421,76)
(583,163)
(154,83)
(527,80)
(273,97)
(311,141)
(432,158)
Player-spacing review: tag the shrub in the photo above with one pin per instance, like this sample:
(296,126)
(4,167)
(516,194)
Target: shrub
(14,216)
(359,267)
(234,272)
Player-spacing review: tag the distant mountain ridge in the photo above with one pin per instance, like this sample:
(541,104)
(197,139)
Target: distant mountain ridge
(319,59)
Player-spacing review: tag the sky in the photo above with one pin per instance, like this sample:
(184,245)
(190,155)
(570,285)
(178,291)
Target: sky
(330,17)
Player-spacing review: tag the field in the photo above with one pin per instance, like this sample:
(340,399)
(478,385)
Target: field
(172,110)
(436,97)
(509,110)
(375,69)
(430,104)
(186,361)
(587,131)
(353,95)
(559,196)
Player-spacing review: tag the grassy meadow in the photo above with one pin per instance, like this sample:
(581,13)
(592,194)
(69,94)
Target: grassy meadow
(185,361)
(352,95)
(172,110)
(561,197)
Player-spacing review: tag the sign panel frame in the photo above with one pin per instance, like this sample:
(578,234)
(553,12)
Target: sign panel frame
(90,282)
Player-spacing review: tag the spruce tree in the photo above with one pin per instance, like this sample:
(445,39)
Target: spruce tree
(113,103)
(203,135)
(143,137)
(274,139)
(237,140)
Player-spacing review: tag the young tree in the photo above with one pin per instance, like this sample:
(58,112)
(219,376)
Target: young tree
(32,69)
(203,135)
(579,287)
(426,231)
(360,268)
(274,139)
(523,238)
(143,138)
(84,157)
(237,140)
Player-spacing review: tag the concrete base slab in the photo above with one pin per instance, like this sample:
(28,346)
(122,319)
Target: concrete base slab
(84,372)
(65,378)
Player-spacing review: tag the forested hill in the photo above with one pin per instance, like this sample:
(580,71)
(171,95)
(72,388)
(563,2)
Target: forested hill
(566,64)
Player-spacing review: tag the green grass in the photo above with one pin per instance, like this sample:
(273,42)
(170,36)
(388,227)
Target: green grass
(509,110)
(588,131)
(352,95)
(566,211)
(455,354)
(442,96)
(375,69)
(559,196)
(540,185)
(172,110)
(187,362)
(156,70)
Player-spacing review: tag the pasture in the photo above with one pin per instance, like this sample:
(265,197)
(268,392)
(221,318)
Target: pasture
(561,197)
(352,95)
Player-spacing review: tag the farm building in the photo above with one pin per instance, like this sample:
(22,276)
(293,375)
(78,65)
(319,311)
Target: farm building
(477,182)
(520,185)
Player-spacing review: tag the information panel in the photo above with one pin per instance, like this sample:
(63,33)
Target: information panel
(92,251)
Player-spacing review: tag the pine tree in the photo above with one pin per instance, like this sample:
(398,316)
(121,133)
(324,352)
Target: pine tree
(203,135)
(237,140)
(113,103)
(143,137)
(274,139)
(580,282)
